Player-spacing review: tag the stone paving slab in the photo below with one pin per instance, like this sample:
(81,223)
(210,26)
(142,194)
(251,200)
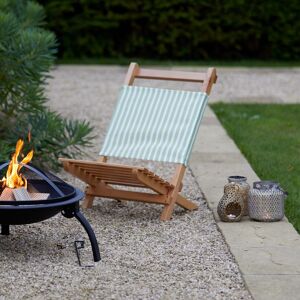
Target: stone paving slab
(277,234)
(268,254)
(284,260)
(274,287)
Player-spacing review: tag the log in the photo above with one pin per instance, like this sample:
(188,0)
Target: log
(7,195)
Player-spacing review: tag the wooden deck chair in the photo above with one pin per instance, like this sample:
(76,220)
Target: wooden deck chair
(150,124)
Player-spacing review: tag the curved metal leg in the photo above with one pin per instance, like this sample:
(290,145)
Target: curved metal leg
(5,229)
(83,221)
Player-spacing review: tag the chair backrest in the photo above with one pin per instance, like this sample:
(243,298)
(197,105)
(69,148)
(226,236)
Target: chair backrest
(157,124)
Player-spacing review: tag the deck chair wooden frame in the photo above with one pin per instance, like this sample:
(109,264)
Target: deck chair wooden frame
(101,176)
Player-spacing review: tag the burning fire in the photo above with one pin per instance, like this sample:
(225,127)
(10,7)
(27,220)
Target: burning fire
(14,179)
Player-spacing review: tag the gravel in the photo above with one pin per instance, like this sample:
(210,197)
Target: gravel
(142,258)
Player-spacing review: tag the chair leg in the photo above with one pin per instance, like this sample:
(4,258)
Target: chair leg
(168,209)
(181,201)
(185,203)
(167,212)
(88,199)
(177,181)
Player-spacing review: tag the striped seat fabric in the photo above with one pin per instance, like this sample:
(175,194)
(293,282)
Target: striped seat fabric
(154,124)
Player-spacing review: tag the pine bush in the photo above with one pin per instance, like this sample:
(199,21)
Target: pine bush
(27,52)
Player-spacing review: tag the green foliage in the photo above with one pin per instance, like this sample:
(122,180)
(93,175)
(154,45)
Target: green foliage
(26,55)
(176,29)
(268,135)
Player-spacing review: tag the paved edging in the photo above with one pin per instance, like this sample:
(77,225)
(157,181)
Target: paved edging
(268,254)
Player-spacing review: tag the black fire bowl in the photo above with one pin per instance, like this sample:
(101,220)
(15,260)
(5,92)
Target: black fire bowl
(62,198)
(18,214)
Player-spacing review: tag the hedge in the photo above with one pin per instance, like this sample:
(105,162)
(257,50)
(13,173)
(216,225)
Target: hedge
(176,29)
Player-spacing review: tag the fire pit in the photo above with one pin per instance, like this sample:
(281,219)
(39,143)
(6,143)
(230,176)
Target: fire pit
(42,196)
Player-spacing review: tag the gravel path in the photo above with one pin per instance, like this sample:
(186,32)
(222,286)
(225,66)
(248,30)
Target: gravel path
(262,85)
(143,258)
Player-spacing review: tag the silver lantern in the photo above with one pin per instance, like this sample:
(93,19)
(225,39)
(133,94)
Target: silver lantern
(266,201)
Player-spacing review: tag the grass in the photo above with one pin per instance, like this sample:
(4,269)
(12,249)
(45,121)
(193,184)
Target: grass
(269,137)
(217,63)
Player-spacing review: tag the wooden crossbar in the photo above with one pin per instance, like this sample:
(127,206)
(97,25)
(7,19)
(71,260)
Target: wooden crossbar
(208,78)
(128,195)
(170,75)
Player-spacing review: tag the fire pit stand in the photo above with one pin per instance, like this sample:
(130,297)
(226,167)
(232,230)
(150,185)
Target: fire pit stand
(62,198)
(70,212)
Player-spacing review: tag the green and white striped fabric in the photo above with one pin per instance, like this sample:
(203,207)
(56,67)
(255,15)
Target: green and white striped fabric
(154,124)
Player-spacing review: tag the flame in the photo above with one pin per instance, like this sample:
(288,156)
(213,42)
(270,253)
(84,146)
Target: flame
(14,179)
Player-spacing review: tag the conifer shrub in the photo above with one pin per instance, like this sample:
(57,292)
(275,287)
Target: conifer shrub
(27,52)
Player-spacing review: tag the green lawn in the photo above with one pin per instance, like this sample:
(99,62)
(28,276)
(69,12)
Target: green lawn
(269,137)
